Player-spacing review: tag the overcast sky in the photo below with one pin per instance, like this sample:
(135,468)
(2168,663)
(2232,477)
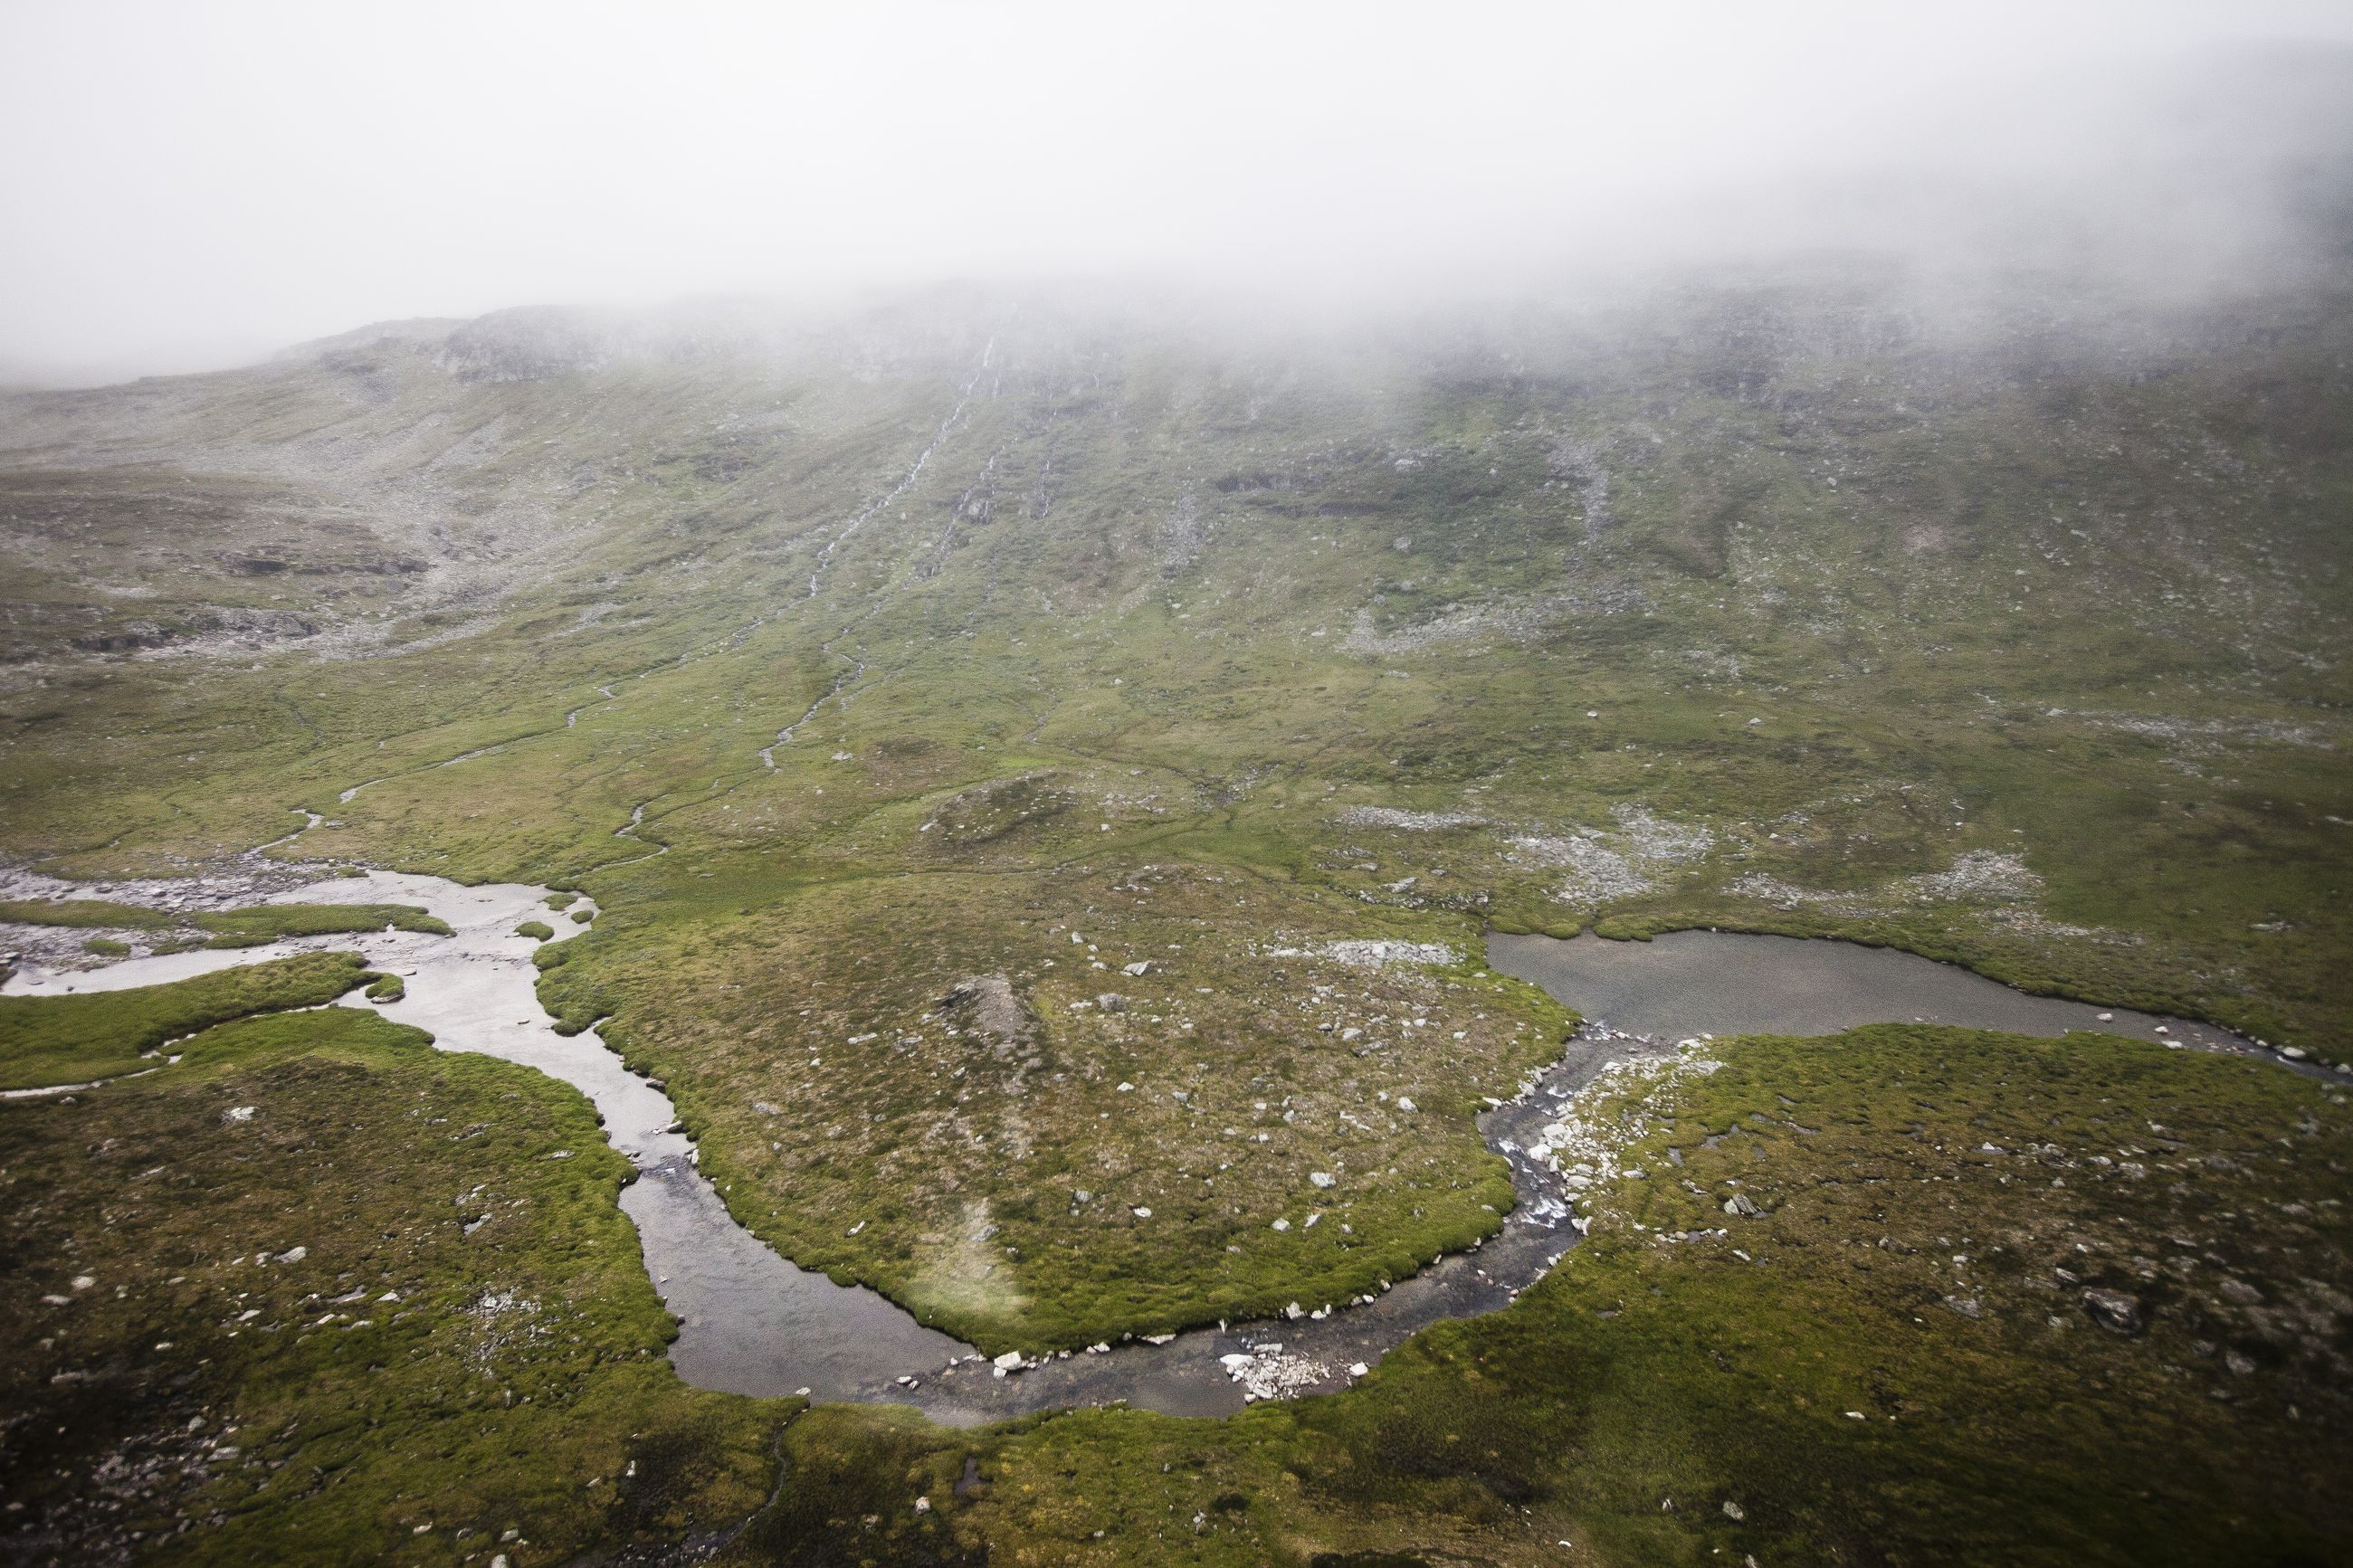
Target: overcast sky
(191,183)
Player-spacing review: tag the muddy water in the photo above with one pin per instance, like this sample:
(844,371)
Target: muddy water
(750,1322)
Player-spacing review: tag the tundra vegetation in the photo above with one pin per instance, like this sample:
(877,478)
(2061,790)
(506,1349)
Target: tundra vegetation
(320,1293)
(1039,762)
(47,1040)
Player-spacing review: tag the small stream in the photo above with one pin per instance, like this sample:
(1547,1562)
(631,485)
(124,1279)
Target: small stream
(751,1322)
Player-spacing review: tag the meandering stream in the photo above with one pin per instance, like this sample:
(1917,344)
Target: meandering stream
(752,1323)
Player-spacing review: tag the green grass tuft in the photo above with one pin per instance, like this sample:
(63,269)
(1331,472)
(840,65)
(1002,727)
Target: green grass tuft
(84,912)
(101,1034)
(266,923)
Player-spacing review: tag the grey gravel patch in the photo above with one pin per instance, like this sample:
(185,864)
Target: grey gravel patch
(2209,733)
(1368,955)
(1983,876)
(1407,821)
(1605,866)
(1520,620)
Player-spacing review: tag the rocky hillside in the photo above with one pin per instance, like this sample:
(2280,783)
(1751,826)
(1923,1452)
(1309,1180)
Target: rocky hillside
(1042,648)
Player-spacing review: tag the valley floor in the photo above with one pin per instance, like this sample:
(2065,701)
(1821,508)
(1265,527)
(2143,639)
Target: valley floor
(1039,788)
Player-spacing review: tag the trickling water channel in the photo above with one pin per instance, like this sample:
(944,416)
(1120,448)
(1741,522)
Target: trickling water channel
(752,1323)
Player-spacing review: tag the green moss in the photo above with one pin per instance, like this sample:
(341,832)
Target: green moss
(83,912)
(963,1020)
(266,923)
(386,988)
(853,1475)
(250,927)
(581,917)
(538,931)
(303,1344)
(106,947)
(100,1033)
(575,1001)
(1891,1361)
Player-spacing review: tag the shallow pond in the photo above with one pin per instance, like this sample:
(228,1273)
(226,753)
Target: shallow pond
(1700,982)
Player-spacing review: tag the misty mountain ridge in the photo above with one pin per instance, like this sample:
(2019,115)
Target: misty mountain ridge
(1250,843)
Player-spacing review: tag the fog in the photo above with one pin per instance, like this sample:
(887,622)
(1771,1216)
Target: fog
(193,185)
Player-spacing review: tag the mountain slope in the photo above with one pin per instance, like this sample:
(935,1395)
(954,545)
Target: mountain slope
(1002,642)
